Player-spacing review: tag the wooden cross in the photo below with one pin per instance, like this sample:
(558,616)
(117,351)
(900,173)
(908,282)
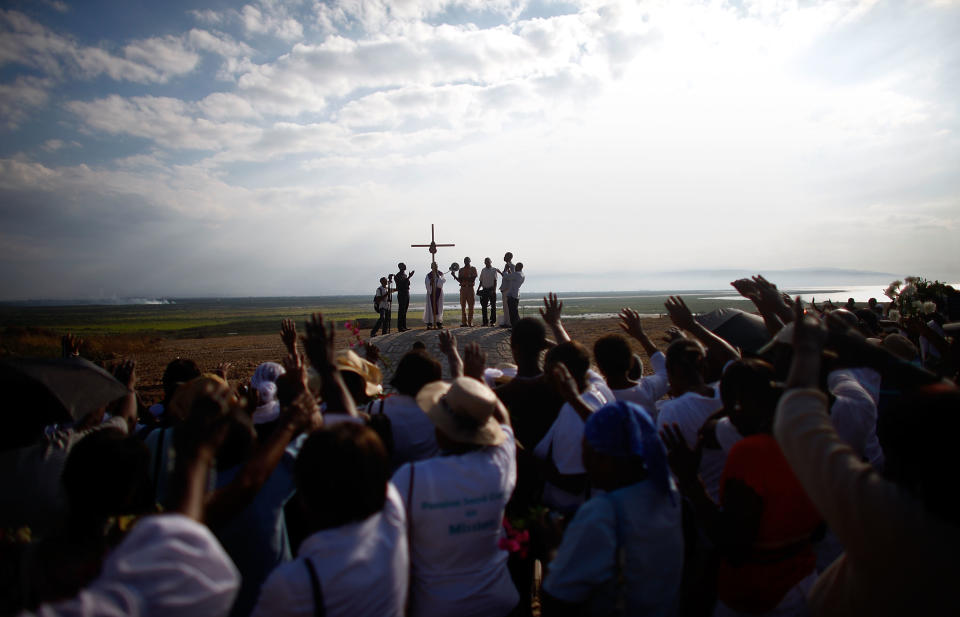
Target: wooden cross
(432,246)
(433,259)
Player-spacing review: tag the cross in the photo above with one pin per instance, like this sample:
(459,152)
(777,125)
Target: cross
(432,246)
(433,259)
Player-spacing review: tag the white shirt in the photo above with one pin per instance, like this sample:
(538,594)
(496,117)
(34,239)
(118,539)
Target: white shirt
(690,410)
(512,282)
(650,389)
(854,415)
(564,442)
(386,298)
(362,568)
(456,513)
(488,277)
(414,435)
(167,565)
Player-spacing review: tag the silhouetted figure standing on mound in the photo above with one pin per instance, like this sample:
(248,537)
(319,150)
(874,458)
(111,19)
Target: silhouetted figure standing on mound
(487,290)
(433,307)
(468,275)
(402,280)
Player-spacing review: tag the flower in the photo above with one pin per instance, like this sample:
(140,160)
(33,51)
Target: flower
(894,315)
(912,279)
(929,307)
(891,290)
(908,290)
(348,325)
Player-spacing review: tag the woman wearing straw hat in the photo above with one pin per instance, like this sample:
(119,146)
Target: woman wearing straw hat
(455,504)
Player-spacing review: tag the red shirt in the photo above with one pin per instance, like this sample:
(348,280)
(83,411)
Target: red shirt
(783,554)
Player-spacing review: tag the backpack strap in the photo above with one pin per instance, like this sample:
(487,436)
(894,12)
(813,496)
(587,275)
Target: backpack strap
(319,610)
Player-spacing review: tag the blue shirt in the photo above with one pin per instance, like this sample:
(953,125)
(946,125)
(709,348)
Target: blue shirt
(256,538)
(647,550)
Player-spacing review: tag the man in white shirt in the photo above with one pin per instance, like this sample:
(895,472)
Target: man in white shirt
(511,291)
(487,290)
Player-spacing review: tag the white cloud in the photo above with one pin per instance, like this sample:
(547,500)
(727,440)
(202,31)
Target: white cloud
(169,122)
(22,97)
(168,55)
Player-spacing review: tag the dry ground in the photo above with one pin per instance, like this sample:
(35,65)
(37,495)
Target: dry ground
(246,352)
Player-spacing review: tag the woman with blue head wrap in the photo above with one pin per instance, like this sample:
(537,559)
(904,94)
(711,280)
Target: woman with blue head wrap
(623,551)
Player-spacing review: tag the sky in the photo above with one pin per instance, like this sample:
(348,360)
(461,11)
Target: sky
(273,148)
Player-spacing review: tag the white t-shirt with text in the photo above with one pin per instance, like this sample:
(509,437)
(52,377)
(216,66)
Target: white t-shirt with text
(456,522)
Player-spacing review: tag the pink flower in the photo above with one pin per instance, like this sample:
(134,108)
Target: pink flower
(348,325)
(352,344)
(356,331)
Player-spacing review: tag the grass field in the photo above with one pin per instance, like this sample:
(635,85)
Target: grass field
(118,329)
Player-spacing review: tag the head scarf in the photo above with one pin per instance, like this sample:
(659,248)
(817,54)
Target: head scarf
(624,429)
(264,381)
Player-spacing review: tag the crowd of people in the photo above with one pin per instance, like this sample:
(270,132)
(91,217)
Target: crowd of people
(809,476)
(466,276)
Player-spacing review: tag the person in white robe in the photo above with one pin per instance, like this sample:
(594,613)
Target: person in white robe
(433,308)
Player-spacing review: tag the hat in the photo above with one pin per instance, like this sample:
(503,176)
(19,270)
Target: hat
(181,403)
(464,410)
(349,361)
(900,346)
(624,429)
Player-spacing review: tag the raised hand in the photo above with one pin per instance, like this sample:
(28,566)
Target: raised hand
(748,289)
(223,370)
(673,333)
(288,334)
(295,366)
(318,343)
(448,342)
(70,345)
(684,462)
(679,314)
(126,373)
(552,307)
(630,323)
(474,361)
(303,413)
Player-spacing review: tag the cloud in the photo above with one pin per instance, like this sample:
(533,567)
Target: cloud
(28,43)
(22,97)
(169,122)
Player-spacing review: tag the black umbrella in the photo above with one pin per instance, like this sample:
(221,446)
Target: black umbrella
(739,328)
(73,386)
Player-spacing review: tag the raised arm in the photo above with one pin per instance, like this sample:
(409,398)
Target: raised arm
(552,307)
(288,334)
(751,291)
(448,346)
(631,324)
(319,346)
(718,350)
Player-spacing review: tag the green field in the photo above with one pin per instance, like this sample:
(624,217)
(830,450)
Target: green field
(196,318)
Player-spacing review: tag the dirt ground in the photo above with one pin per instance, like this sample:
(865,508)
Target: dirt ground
(245,353)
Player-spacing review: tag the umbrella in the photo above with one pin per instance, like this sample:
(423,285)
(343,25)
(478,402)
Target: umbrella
(739,328)
(75,385)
